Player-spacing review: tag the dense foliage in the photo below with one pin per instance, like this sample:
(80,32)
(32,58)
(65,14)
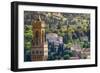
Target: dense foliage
(73,27)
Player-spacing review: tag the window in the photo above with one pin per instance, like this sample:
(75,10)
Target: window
(37,38)
(37,52)
(33,52)
(40,52)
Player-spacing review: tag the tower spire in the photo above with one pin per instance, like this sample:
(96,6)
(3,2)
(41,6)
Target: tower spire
(39,18)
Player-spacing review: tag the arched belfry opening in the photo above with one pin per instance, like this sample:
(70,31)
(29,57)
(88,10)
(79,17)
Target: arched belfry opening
(36,38)
(39,51)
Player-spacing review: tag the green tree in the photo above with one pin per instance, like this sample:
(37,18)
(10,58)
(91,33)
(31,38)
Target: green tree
(27,36)
(66,56)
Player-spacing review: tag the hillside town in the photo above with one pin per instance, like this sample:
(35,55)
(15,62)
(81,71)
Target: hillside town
(65,35)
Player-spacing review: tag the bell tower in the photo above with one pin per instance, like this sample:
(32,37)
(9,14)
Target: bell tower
(39,51)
